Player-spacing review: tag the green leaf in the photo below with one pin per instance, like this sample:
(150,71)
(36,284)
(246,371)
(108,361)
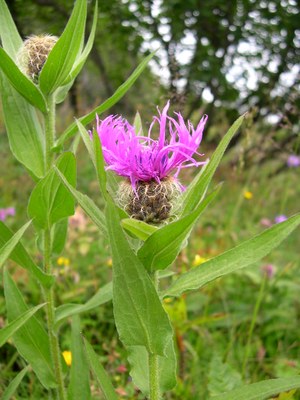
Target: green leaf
(119,93)
(261,390)
(99,164)
(196,190)
(11,328)
(139,316)
(59,235)
(31,340)
(79,387)
(50,201)
(10,38)
(21,83)
(13,386)
(25,134)
(94,149)
(222,376)
(163,246)
(80,61)
(22,258)
(241,256)
(103,295)
(62,57)
(9,246)
(140,229)
(100,373)
(137,123)
(139,361)
(86,203)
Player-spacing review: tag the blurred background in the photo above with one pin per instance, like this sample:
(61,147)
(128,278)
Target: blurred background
(222,58)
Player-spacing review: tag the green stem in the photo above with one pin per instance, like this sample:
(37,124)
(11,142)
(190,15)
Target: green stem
(50,133)
(253,322)
(154,377)
(49,293)
(153,359)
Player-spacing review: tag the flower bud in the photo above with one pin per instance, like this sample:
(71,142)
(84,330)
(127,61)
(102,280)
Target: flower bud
(150,201)
(33,54)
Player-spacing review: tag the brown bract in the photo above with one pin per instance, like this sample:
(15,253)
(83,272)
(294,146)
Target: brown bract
(152,202)
(33,54)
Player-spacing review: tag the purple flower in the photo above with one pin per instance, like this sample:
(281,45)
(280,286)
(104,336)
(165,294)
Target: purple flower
(280,218)
(4,212)
(293,161)
(268,270)
(141,158)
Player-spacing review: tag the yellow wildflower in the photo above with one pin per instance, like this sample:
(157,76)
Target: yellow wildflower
(199,260)
(67,355)
(63,261)
(248,195)
(109,262)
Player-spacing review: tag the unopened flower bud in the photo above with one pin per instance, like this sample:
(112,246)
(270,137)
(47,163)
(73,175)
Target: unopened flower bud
(150,201)
(33,54)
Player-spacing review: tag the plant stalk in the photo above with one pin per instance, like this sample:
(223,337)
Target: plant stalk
(49,293)
(253,322)
(154,377)
(49,133)
(153,359)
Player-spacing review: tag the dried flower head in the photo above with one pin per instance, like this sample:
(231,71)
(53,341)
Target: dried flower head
(33,54)
(147,163)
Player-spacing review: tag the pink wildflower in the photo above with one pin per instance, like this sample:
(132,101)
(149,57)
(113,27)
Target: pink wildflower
(141,158)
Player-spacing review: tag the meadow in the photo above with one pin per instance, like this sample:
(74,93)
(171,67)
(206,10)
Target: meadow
(256,308)
(148,250)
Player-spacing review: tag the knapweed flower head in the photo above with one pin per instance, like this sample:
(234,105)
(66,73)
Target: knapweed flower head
(150,165)
(268,270)
(34,53)
(280,218)
(4,212)
(293,161)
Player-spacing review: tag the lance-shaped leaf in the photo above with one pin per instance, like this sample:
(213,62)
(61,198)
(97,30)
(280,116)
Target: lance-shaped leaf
(100,373)
(140,229)
(25,134)
(31,340)
(79,386)
(85,203)
(10,38)
(9,246)
(80,61)
(261,390)
(119,93)
(196,190)
(22,258)
(13,386)
(163,246)
(62,57)
(103,295)
(50,201)
(93,145)
(241,256)
(139,315)
(12,327)
(21,83)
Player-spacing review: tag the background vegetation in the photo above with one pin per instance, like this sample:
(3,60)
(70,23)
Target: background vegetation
(220,58)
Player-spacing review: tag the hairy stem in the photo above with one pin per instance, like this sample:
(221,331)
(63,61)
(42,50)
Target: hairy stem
(154,377)
(153,359)
(50,133)
(49,293)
